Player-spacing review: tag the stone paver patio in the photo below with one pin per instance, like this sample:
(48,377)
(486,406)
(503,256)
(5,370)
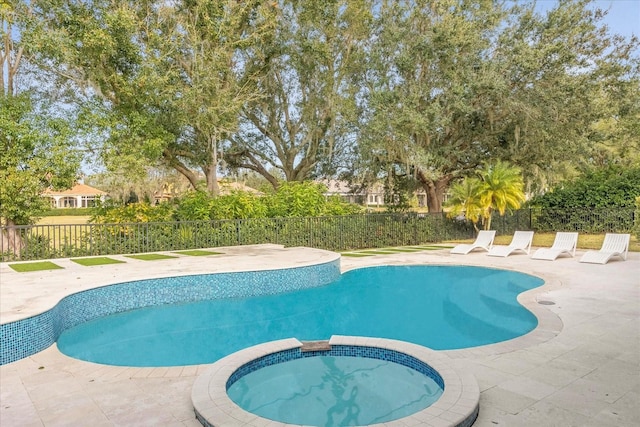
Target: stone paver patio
(580,368)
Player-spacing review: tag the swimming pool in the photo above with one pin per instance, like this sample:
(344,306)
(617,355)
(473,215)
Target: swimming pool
(440,307)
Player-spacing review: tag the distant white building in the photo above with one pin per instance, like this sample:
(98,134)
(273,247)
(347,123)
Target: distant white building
(372,195)
(78,196)
(354,194)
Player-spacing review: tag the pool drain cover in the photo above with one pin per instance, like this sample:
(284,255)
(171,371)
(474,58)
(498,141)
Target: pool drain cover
(544,302)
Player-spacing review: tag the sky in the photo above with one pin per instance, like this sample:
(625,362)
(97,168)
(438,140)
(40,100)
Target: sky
(623,17)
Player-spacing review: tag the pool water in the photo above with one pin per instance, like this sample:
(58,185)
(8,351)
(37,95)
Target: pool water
(334,391)
(441,307)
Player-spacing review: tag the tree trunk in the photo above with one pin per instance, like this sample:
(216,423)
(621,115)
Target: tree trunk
(211,170)
(487,221)
(212,180)
(434,189)
(12,241)
(171,160)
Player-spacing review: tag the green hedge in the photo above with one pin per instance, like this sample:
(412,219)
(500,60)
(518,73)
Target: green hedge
(609,188)
(70,212)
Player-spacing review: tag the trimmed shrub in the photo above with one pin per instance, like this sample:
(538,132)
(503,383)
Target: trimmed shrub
(603,200)
(610,188)
(70,212)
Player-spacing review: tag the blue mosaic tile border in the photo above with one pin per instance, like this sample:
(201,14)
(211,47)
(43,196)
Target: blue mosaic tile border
(338,350)
(25,337)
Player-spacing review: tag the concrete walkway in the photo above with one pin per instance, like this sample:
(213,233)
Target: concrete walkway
(581,368)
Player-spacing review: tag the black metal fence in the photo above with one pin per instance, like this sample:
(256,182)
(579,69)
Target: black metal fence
(332,233)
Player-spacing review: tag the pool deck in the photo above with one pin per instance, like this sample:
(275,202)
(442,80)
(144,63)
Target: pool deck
(581,368)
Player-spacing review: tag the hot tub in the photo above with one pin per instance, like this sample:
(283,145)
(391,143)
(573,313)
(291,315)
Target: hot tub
(347,381)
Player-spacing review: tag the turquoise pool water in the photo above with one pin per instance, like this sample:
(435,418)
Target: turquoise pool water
(441,307)
(334,391)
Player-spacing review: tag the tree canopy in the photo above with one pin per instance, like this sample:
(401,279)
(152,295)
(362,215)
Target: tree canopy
(454,83)
(37,146)
(301,123)
(410,92)
(166,78)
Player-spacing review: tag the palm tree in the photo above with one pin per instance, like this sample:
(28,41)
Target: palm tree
(464,200)
(502,189)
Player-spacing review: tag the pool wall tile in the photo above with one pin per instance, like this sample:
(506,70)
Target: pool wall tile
(25,337)
(338,350)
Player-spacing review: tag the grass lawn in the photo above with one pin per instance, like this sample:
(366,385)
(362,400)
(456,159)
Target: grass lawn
(63,220)
(197,252)
(35,266)
(87,262)
(433,247)
(355,254)
(70,231)
(150,257)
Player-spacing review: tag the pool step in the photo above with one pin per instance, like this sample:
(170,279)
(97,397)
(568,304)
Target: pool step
(315,346)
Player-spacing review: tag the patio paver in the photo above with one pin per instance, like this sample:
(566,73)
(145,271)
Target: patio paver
(584,370)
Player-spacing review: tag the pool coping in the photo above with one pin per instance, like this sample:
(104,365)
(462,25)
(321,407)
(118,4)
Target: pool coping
(549,323)
(458,406)
(17,301)
(30,335)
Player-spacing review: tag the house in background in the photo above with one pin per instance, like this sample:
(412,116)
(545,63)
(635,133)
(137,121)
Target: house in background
(78,196)
(353,194)
(371,196)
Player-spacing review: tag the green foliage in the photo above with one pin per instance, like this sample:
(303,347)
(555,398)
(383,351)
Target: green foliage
(498,188)
(165,77)
(238,205)
(335,206)
(69,212)
(452,83)
(297,199)
(302,122)
(194,206)
(200,206)
(601,200)
(397,191)
(140,212)
(501,190)
(611,188)
(36,154)
(464,200)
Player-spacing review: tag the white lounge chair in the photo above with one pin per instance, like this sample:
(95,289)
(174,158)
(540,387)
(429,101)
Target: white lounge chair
(521,241)
(613,245)
(483,241)
(564,243)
